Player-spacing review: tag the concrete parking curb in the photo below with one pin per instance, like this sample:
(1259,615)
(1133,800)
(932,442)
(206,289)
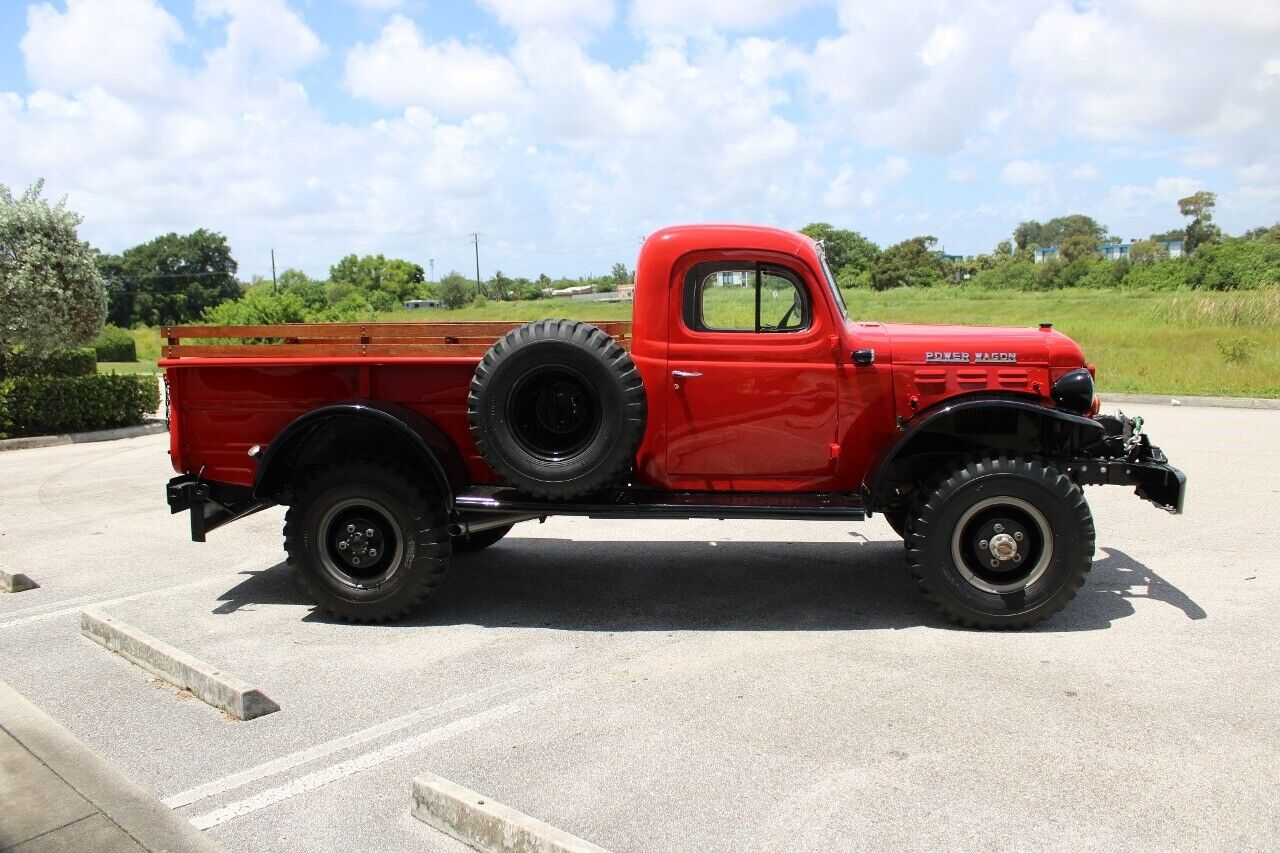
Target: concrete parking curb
(479,822)
(126,807)
(208,684)
(150,427)
(16,582)
(1177,400)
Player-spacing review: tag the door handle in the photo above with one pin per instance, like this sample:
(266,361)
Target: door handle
(685,374)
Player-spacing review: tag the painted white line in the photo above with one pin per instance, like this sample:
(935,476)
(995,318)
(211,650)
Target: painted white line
(479,822)
(329,747)
(343,769)
(69,606)
(582,668)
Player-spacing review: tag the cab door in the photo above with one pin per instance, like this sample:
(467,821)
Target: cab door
(751,391)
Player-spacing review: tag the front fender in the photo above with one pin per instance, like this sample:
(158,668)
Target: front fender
(959,427)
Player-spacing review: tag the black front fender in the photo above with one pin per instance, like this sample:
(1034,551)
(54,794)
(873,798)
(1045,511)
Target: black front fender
(968,425)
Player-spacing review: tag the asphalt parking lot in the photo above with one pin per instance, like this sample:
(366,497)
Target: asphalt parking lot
(695,685)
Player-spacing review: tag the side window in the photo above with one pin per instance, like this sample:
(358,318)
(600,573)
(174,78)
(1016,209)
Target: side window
(744,297)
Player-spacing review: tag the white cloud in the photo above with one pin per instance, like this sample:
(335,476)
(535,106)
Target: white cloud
(119,45)
(400,69)
(556,15)
(681,16)
(377,5)
(1025,173)
(263,35)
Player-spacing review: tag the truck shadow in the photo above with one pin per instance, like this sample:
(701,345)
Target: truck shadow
(681,586)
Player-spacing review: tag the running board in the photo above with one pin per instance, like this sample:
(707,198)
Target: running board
(640,503)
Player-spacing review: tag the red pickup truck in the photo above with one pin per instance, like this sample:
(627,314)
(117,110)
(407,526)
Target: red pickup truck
(742,388)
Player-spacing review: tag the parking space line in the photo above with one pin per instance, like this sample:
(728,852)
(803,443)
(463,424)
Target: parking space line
(69,606)
(341,770)
(583,668)
(329,747)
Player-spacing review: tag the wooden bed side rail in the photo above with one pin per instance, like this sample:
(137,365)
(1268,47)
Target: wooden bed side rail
(315,340)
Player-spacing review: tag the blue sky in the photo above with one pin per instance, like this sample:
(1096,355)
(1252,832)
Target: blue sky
(565,130)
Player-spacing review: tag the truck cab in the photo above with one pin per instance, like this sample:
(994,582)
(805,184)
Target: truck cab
(742,388)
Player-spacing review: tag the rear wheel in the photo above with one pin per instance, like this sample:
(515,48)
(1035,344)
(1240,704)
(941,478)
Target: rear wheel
(481,540)
(365,542)
(1001,542)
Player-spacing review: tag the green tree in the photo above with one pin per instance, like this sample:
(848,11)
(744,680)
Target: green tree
(499,286)
(1199,206)
(846,250)
(171,279)
(456,290)
(1057,230)
(51,295)
(1147,252)
(620,274)
(398,278)
(1080,247)
(911,263)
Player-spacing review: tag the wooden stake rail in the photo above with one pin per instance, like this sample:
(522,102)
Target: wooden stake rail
(319,340)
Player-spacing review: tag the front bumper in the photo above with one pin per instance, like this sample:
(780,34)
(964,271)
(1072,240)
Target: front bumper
(1128,458)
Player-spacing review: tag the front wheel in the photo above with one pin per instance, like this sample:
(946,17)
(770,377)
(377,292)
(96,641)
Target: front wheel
(365,542)
(1001,542)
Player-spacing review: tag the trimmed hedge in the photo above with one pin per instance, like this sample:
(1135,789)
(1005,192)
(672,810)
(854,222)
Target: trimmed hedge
(116,344)
(43,405)
(72,362)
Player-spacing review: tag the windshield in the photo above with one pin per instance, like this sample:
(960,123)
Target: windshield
(831,281)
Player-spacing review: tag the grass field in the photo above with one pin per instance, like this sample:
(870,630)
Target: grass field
(1225,344)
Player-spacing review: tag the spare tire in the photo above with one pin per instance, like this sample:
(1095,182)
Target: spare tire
(557,409)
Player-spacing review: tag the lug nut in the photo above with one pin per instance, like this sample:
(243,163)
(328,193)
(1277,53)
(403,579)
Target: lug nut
(373,552)
(351,528)
(1017,558)
(342,546)
(355,560)
(369,532)
(995,564)
(982,544)
(999,528)
(1018,536)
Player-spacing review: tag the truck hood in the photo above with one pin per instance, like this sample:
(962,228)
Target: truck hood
(912,343)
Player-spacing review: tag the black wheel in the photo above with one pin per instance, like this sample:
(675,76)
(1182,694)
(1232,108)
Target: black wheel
(1001,543)
(897,519)
(557,409)
(366,543)
(480,541)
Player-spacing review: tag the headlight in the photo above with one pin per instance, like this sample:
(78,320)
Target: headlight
(1074,391)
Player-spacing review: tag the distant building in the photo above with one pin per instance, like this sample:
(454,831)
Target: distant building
(1114,251)
(422,303)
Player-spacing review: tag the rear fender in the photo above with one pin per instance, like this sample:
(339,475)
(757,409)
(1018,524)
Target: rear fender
(958,428)
(414,435)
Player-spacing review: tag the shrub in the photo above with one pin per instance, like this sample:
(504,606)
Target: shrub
(1235,350)
(116,344)
(39,405)
(73,362)
(51,295)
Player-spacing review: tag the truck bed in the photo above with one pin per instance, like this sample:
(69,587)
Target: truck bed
(235,387)
(326,340)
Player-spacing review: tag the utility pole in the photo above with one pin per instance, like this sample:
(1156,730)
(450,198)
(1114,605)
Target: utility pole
(431,269)
(475,241)
(273,271)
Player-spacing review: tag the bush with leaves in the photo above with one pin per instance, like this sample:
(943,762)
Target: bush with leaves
(81,361)
(51,296)
(41,405)
(115,344)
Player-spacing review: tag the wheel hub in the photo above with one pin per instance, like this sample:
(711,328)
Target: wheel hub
(1002,544)
(360,542)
